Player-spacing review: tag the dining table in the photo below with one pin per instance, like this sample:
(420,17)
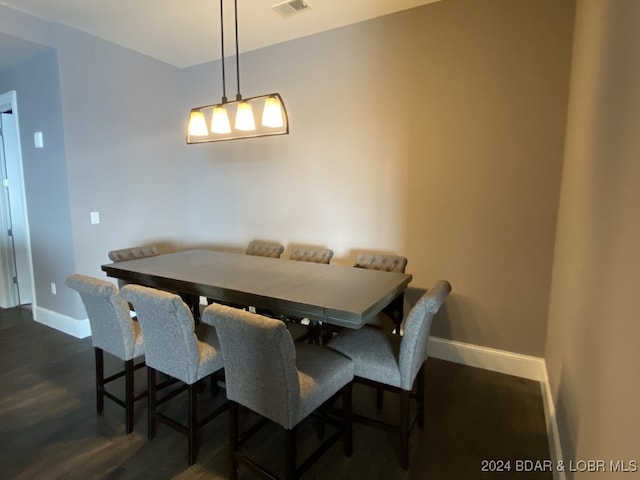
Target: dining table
(334,294)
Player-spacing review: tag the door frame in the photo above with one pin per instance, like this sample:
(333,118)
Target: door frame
(9,102)
(9,292)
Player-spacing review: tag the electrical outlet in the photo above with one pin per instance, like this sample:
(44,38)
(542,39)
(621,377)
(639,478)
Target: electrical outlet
(95,218)
(53,288)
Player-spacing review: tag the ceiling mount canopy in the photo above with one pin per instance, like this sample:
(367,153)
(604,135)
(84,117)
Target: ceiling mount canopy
(211,123)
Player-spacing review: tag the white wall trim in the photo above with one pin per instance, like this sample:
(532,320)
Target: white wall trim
(525,366)
(501,361)
(71,326)
(555,447)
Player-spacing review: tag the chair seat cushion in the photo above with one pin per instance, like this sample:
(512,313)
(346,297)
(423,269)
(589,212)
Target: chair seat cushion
(209,349)
(321,373)
(374,353)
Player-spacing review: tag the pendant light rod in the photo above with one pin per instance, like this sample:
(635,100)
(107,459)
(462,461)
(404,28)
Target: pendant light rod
(238,96)
(224,87)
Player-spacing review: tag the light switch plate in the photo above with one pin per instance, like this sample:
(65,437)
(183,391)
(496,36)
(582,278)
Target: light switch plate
(95,218)
(38,140)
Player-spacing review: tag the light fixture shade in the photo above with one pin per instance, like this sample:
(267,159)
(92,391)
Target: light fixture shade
(244,117)
(220,120)
(197,124)
(257,105)
(272,113)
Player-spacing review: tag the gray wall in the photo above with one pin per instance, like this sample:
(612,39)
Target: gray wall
(25,27)
(114,143)
(45,177)
(125,142)
(436,133)
(592,344)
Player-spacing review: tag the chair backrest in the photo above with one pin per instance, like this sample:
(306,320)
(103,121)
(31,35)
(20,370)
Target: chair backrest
(263,248)
(387,263)
(311,254)
(112,328)
(413,347)
(259,362)
(171,345)
(133,253)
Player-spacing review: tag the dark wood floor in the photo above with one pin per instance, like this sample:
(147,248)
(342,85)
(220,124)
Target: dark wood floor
(49,428)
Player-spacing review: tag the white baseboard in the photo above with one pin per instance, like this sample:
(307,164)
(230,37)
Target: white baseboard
(63,323)
(510,363)
(525,366)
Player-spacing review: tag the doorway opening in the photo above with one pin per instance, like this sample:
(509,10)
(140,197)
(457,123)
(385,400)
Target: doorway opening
(16,267)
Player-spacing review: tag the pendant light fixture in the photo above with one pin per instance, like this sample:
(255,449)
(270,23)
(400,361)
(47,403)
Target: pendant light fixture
(211,123)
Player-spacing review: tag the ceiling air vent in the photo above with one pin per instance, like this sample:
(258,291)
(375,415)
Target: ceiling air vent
(291,7)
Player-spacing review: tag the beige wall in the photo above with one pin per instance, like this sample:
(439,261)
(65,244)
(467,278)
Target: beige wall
(592,352)
(436,133)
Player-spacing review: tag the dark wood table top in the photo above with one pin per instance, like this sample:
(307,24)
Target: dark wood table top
(334,294)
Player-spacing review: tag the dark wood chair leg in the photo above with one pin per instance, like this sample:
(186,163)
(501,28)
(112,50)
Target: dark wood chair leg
(290,454)
(215,388)
(193,302)
(151,403)
(347,413)
(395,310)
(315,332)
(320,427)
(420,396)
(99,356)
(404,429)
(129,394)
(193,423)
(233,440)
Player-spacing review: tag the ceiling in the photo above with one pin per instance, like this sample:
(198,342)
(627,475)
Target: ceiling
(186,32)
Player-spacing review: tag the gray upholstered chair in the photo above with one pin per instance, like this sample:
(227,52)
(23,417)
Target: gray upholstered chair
(395,362)
(132,253)
(263,248)
(112,331)
(301,253)
(279,379)
(311,254)
(385,263)
(179,349)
